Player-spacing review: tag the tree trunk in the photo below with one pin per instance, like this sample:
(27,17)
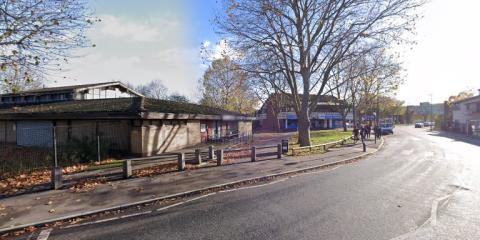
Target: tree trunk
(304,122)
(344,121)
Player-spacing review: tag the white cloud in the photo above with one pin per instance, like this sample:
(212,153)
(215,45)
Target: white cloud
(146,31)
(136,51)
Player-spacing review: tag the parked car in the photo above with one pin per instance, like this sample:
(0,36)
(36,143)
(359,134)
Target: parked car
(429,124)
(419,125)
(386,128)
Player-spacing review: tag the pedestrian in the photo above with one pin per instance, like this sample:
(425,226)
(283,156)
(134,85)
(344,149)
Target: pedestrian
(355,134)
(363,132)
(378,132)
(369,130)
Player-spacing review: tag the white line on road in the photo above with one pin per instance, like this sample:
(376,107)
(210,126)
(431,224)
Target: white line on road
(44,234)
(136,214)
(186,201)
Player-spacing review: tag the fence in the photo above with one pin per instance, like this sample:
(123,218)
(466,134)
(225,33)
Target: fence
(30,148)
(233,138)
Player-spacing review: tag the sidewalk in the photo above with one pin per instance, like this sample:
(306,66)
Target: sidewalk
(37,207)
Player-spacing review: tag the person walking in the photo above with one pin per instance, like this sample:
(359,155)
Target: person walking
(355,134)
(378,133)
(368,129)
(363,133)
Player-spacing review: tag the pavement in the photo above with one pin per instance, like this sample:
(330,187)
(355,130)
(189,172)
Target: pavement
(421,185)
(50,205)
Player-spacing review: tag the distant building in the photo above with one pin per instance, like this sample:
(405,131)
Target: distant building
(423,111)
(466,116)
(132,123)
(277,114)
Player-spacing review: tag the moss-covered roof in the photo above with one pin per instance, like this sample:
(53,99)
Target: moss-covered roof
(133,107)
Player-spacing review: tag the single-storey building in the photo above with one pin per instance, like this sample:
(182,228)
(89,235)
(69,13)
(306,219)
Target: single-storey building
(277,114)
(128,121)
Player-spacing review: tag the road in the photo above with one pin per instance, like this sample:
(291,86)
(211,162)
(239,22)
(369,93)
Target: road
(420,186)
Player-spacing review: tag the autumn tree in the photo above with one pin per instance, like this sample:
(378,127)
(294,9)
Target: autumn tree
(36,36)
(226,86)
(305,39)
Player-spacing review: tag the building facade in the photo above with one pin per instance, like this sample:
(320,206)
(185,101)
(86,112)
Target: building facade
(277,114)
(119,116)
(466,116)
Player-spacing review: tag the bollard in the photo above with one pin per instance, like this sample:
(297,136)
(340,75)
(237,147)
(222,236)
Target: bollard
(325,147)
(127,168)
(57,178)
(211,152)
(285,145)
(181,162)
(254,154)
(219,154)
(364,147)
(279,151)
(198,156)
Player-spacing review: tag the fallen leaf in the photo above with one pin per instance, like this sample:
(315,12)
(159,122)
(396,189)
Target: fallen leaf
(51,210)
(49,203)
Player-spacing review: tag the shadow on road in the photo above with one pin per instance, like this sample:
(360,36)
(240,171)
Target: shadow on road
(456,137)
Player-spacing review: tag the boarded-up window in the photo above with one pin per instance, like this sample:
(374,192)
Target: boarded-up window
(35,133)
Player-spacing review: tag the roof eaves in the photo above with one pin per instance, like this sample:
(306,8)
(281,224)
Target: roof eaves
(467,99)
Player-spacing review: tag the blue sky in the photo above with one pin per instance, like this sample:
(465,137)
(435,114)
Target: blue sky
(138,41)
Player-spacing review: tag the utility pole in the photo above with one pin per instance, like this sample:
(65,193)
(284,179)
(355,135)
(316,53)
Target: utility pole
(431,112)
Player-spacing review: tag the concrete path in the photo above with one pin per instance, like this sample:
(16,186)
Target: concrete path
(31,208)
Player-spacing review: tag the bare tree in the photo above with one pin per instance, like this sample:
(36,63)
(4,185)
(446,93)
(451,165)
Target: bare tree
(36,36)
(306,39)
(177,97)
(154,89)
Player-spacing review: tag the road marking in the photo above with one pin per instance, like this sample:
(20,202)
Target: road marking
(432,220)
(44,234)
(186,201)
(135,214)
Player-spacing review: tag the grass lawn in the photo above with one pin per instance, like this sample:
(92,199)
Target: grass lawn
(320,137)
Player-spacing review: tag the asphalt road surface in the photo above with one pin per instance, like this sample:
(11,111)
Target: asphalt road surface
(420,186)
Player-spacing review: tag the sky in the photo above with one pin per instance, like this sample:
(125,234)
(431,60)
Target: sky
(139,41)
